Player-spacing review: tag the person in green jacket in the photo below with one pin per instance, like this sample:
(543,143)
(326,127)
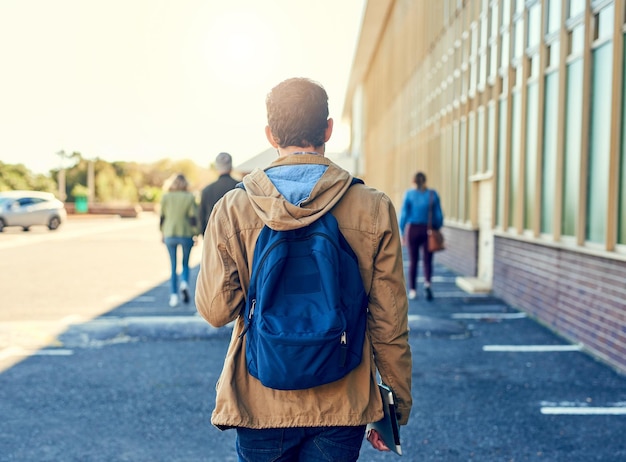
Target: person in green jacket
(178,225)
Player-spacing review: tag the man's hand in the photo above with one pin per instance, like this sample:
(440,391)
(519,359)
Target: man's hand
(376,441)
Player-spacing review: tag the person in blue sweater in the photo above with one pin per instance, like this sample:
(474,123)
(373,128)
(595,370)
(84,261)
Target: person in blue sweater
(420,203)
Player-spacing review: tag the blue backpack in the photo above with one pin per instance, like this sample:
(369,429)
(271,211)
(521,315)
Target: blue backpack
(306,310)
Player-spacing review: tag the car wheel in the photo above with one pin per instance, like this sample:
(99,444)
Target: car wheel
(2,225)
(54,223)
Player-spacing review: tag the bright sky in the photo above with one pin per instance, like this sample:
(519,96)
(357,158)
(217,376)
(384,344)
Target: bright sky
(141,80)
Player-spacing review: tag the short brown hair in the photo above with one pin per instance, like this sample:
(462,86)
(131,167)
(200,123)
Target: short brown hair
(297,113)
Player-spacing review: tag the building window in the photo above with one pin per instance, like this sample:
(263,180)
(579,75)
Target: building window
(481,152)
(576,38)
(530,178)
(518,39)
(502,162)
(534,25)
(473,59)
(554,50)
(504,50)
(575,7)
(554,16)
(572,146)
(491,132)
(599,144)
(493,60)
(494,20)
(463,171)
(621,200)
(603,23)
(550,141)
(514,179)
(471,145)
(456,180)
(506,12)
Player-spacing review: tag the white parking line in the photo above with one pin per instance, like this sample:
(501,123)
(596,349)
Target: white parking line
(56,352)
(489,315)
(17,352)
(532,348)
(583,410)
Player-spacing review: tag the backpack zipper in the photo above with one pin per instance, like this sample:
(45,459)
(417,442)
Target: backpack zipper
(344,348)
(247,326)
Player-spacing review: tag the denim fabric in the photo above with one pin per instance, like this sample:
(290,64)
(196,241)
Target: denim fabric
(308,444)
(295,182)
(172,244)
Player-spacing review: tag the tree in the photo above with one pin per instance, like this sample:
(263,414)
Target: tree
(17,176)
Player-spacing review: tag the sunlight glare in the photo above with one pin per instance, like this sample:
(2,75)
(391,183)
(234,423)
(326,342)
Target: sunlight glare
(239,43)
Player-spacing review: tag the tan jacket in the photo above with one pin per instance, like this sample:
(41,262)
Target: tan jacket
(368,221)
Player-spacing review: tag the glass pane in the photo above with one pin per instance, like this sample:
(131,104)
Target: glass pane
(491,132)
(534,25)
(462,170)
(530,179)
(480,141)
(504,52)
(454,185)
(502,161)
(495,24)
(577,39)
(518,39)
(604,23)
(484,30)
(554,15)
(493,61)
(573,121)
(621,209)
(554,51)
(599,145)
(576,7)
(482,73)
(533,69)
(506,12)
(514,180)
(471,144)
(550,139)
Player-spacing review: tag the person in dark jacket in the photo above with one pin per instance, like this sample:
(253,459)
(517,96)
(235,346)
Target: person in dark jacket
(214,191)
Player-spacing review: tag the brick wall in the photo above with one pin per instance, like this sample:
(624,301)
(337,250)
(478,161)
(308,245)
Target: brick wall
(461,253)
(581,297)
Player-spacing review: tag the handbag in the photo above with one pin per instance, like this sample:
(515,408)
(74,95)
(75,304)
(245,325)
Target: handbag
(435,237)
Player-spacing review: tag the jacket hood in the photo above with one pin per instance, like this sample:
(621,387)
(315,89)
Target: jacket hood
(277,212)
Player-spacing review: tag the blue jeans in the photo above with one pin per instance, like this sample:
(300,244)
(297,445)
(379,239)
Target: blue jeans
(172,244)
(306,444)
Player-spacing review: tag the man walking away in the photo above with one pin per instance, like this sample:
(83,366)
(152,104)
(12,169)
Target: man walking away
(214,191)
(328,421)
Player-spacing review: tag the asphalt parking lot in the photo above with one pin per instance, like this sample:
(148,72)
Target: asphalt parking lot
(137,384)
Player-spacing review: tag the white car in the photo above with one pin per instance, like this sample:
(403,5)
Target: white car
(31,208)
